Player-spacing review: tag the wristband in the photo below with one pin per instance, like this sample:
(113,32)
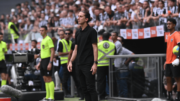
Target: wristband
(50,62)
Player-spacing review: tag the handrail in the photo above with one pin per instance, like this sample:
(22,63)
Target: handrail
(135,55)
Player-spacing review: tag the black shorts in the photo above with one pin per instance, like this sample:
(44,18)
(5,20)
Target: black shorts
(43,67)
(9,70)
(3,68)
(172,71)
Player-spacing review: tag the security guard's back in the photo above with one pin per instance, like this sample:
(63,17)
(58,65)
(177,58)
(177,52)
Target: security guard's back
(105,48)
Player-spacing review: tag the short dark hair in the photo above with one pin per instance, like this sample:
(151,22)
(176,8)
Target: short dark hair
(100,32)
(108,6)
(115,32)
(162,2)
(106,36)
(121,38)
(34,41)
(1,33)
(18,4)
(87,15)
(172,20)
(173,0)
(69,30)
(96,4)
(45,27)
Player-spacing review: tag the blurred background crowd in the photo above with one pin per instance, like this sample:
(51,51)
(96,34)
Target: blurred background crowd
(116,14)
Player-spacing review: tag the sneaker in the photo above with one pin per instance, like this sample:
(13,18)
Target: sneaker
(56,89)
(44,99)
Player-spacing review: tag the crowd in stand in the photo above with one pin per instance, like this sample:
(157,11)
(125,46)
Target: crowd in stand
(116,14)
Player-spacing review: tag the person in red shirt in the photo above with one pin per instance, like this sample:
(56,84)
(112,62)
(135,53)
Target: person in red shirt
(172,68)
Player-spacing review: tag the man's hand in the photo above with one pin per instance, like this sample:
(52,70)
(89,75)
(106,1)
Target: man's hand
(94,69)
(38,66)
(147,9)
(54,59)
(69,66)
(175,62)
(49,66)
(36,56)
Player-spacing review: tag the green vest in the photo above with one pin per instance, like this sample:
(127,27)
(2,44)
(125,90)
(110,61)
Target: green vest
(105,48)
(11,31)
(66,48)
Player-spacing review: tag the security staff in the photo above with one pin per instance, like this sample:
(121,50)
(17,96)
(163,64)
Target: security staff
(105,48)
(3,69)
(13,30)
(64,49)
(45,66)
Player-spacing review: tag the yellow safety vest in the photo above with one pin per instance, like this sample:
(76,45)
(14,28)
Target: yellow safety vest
(11,31)
(105,48)
(66,48)
(3,50)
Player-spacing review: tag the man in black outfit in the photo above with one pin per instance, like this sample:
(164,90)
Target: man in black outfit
(75,70)
(87,53)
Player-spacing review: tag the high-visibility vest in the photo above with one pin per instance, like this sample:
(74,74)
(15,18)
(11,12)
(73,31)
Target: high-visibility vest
(66,48)
(11,31)
(105,48)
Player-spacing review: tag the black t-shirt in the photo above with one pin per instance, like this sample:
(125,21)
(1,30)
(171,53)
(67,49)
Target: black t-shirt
(84,40)
(60,49)
(111,15)
(36,51)
(73,46)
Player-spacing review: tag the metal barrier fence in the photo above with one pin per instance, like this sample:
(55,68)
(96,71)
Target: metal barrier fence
(142,78)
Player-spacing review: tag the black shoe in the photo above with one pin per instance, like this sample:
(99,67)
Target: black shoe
(169,98)
(177,99)
(68,96)
(103,98)
(82,98)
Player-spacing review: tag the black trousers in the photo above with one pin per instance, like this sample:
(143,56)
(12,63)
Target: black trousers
(66,75)
(102,72)
(87,81)
(76,73)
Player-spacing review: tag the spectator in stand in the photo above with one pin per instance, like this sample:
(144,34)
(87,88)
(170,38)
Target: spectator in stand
(173,8)
(2,19)
(12,12)
(63,19)
(127,10)
(163,14)
(177,15)
(43,22)
(119,18)
(146,12)
(76,11)
(28,26)
(71,19)
(109,14)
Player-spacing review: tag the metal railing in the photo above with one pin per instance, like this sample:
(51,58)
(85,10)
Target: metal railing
(152,65)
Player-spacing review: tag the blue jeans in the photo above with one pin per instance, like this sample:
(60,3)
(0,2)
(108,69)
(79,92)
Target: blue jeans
(122,84)
(107,86)
(61,77)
